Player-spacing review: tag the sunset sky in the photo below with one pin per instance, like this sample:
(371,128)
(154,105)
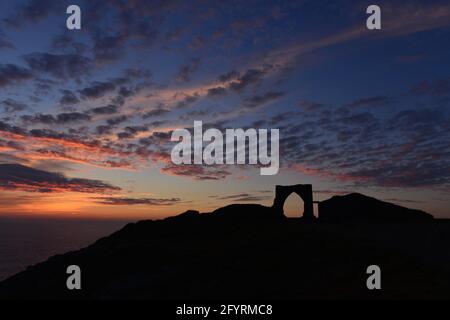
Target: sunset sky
(86,115)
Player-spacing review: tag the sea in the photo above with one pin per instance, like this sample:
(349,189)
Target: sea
(27,241)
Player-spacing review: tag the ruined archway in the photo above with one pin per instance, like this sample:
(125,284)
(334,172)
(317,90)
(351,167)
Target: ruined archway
(303,190)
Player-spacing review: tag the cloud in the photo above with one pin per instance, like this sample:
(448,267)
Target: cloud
(398,21)
(185,71)
(6,127)
(136,129)
(13,201)
(197,172)
(104,129)
(32,11)
(74,146)
(243,197)
(11,74)
(125,135)
(118,201)
(16,177)
(12,106)
(216,91)
(70,117)
(97,90)
(402,149)
(109,109)
(10,158)
(61,118)
(369,102)
(132,29)
(68,98)
(227,77)
(160,111)
(131,131)
(260,100)
(7,145)
(62,66)
(117,120)
(187,100)
(251,76)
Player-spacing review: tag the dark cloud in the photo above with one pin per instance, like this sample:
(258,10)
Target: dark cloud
(110,46)
(103,129)
(185,71)
(33,11)
(369,102)
(109,109)
(157,138)
(216,91)
(39,118)
(408,174)
(251,76)
(130,131)
(12,106)
(196,172)
(404,149)
(97,90)
(187,101)
(6,127)
(125,135)
(260,100)
(61,66)
(138,73)
(243,197)
(117,120)
(155,113)
(22,178)
(115,201)
(48,133)
(62,118)
(136,129)
(232,75)
(68,98)
(12,74)
(126,92)
(11,145)
(44,86)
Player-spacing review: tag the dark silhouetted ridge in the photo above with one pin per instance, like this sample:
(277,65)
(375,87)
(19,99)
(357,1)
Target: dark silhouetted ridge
(359,207)
(252,252)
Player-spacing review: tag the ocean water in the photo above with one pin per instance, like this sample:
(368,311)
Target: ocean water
(27,241)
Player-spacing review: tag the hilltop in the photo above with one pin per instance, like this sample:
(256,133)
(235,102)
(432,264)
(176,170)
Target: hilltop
(247,251)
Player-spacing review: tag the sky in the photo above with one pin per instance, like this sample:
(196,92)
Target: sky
(86,115)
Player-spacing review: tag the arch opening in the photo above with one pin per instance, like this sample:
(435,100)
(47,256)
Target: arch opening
(293,206)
